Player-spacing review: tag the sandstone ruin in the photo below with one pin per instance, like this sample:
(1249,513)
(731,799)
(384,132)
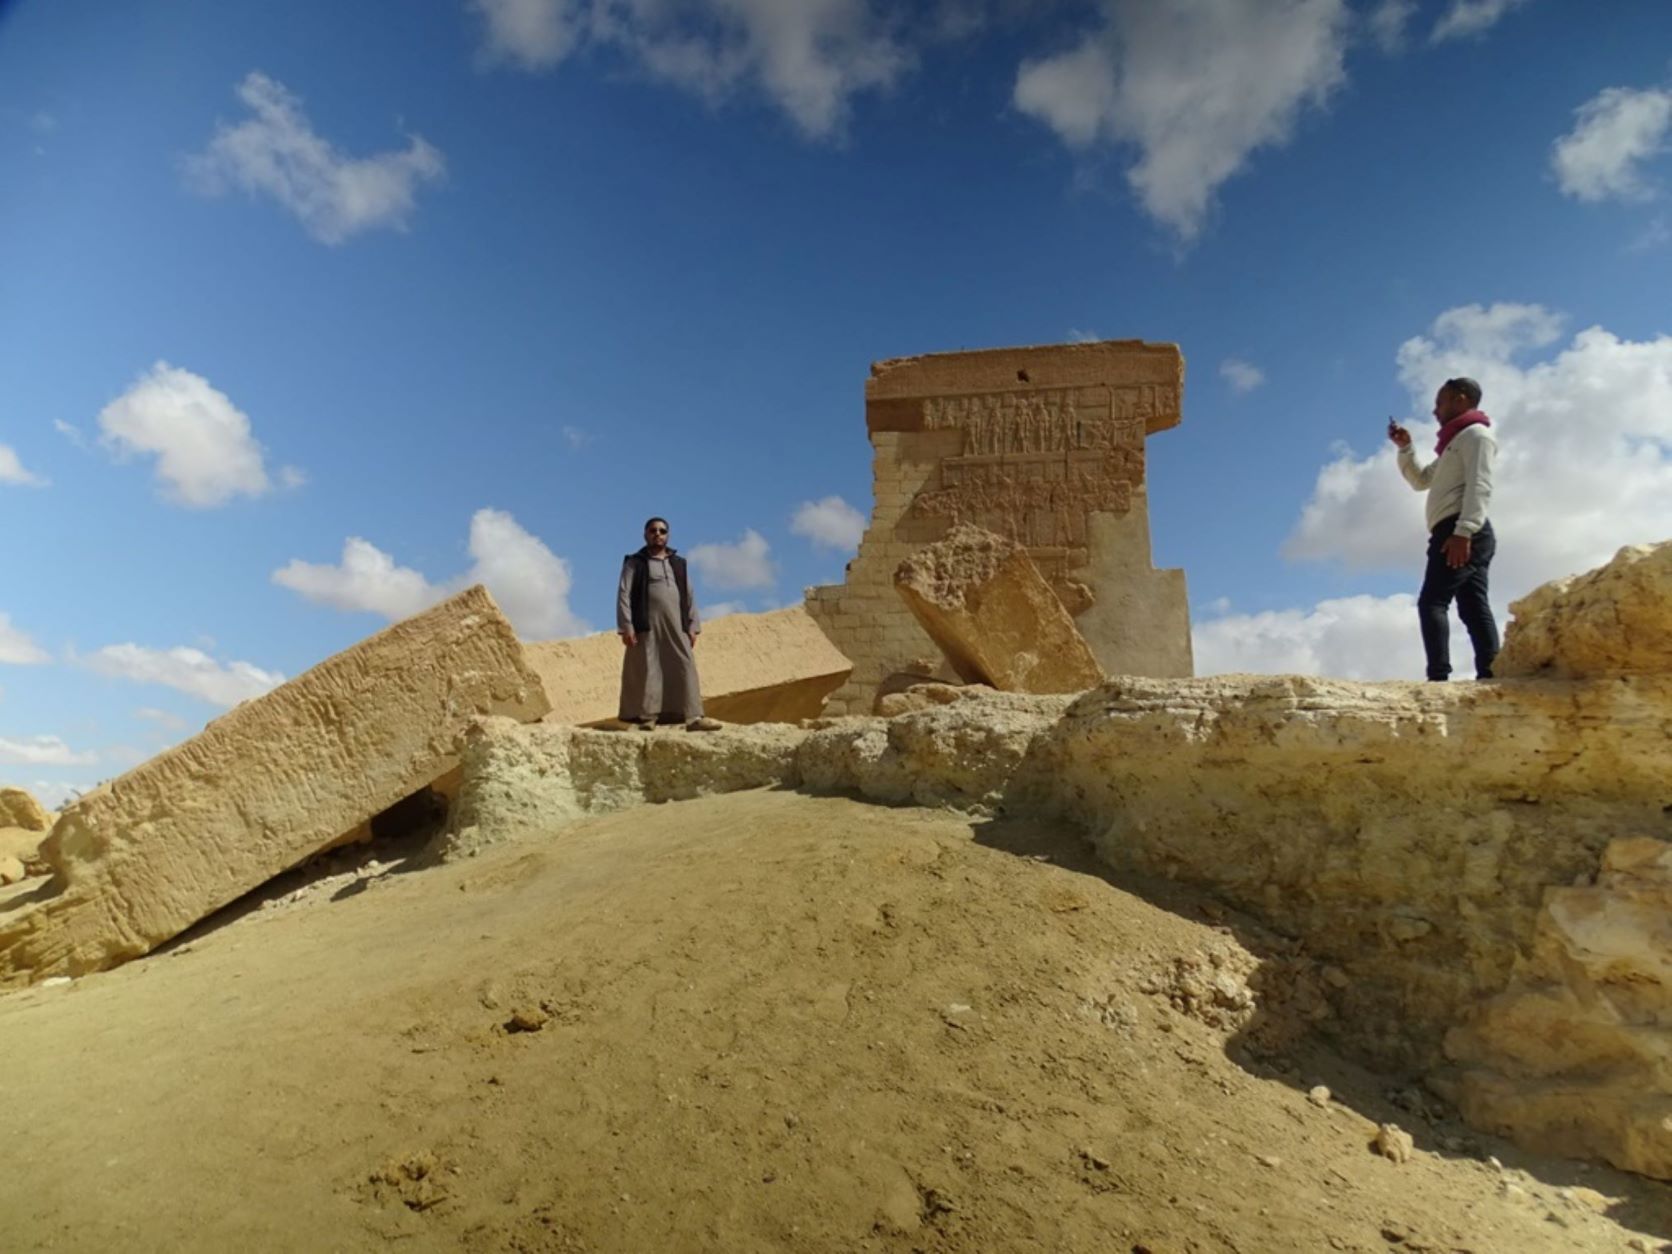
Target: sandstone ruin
(992,615)
(755,668)
(1044,446)
(1467,882)
(278,779)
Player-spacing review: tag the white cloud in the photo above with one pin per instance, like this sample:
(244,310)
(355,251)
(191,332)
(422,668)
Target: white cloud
(72,434)
(365,579)
(1196,85)
(1585,450)
(12,470)
(810,58)
(43,751)
(745,564)
(1471,17)
(16,648)
(830,523)
(206,453)
(1616,132)
(530,34)
(529,581)
(722,609)
(1388,21)
(1243,376)
(186,670)
(1360,637)
(277,153)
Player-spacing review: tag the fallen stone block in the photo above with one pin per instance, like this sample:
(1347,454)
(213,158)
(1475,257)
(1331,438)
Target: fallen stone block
(984,602)
(19,809)
(755,668)
(262,788)
(1614,620)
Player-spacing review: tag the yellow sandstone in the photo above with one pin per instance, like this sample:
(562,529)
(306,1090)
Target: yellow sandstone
(142,858)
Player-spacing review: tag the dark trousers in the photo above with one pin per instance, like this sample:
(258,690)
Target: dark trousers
(1467,585)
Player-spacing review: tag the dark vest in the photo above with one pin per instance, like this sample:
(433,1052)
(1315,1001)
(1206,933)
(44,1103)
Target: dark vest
(638,596)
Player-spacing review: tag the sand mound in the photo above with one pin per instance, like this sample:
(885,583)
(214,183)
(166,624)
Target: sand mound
(756,1022)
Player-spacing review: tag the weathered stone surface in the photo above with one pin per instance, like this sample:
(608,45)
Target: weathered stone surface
(1044,446)
(23,844)
(776,667)
(1407,835)
(1613,620)
(1576,1054)
(143,857)
(984,603)
(19,809)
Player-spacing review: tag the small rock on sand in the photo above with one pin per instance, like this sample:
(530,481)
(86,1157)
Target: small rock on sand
(1393,1143)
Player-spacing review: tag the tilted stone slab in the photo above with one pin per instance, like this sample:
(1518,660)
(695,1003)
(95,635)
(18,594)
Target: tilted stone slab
(755,668)
(145,856)
(1616,619)
(984,602)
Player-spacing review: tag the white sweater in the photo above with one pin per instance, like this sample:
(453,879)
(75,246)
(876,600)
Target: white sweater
(1458,481)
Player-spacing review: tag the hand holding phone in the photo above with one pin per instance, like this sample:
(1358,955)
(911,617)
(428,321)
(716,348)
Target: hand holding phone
(1398,434)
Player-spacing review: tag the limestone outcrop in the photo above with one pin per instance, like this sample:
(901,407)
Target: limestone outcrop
(1575,1056)
(755,668)
(1045,446)
(1614,620)
(982,600)
(1405,835)
(145,856)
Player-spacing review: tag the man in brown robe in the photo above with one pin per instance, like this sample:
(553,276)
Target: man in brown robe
(656,616)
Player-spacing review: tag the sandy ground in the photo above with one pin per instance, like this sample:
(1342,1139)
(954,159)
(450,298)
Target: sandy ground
(759,1022)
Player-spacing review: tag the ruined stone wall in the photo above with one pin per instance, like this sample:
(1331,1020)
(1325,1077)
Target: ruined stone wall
(1044,446)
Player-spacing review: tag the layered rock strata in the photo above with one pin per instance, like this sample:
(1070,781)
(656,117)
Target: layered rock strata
(754,668)
(1404,834)
(995,619)
(140,859)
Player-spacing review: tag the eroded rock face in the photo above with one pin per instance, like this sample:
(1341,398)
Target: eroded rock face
(1613,620)
(1576,1054)
(1406,835)
(145,856)
(989,610)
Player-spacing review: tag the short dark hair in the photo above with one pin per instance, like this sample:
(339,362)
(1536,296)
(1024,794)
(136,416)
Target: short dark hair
(1467,388)
(663,521)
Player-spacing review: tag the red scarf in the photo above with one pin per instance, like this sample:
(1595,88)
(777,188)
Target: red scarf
(1448,433)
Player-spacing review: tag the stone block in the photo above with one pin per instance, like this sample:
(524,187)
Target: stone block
(755,668)
(985,604)
(19,809)
(262,788)
(1614,620)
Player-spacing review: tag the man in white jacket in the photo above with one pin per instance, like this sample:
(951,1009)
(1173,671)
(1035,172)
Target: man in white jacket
(1460,540)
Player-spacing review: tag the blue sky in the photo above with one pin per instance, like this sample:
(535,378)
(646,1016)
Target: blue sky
(472,286)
